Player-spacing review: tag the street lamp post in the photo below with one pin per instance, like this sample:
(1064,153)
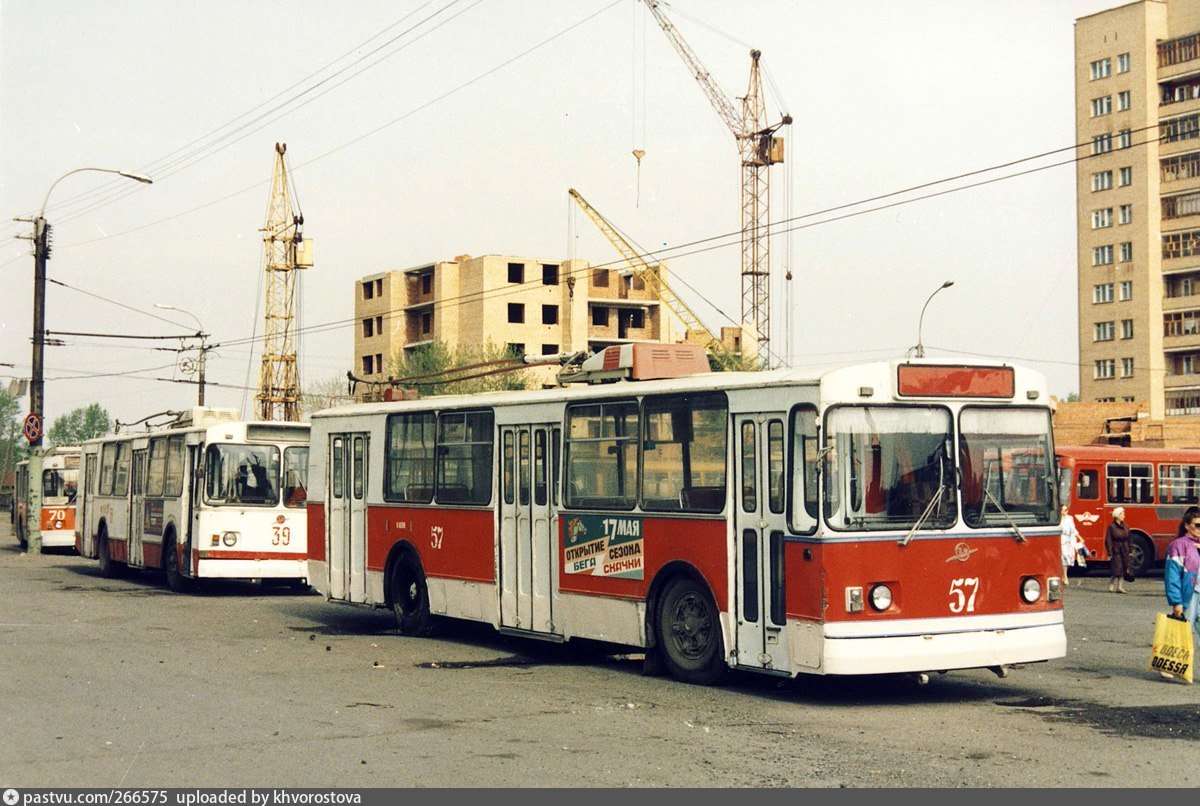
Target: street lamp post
(921,321)
(37,386)
(203,347)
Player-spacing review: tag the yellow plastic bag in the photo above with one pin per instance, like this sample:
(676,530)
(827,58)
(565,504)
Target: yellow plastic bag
(1172,652)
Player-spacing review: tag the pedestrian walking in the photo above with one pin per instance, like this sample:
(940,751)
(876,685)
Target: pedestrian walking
(1071,542)
(1116,543)
(1182,564)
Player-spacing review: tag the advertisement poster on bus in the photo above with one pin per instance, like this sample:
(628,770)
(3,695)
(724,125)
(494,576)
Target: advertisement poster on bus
(604,546)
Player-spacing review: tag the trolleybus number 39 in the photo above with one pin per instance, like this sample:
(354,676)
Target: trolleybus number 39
(960,599)
(282,535)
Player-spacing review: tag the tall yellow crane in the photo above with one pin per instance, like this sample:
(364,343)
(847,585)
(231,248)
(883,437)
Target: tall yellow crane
(285,252)
(759,149)
(694,329)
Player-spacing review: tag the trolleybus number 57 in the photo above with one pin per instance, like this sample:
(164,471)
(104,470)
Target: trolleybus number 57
(435,537)
(962,595)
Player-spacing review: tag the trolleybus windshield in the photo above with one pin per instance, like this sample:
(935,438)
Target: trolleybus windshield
(1008,467)
(243,475)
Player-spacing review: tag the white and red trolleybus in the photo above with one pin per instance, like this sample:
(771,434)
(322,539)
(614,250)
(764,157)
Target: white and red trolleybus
(209,497)
(1154,485)
(56,518)
(864,520)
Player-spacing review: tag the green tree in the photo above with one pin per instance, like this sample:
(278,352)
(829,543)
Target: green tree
(13,446)
(438,357)
(324,394)
(79,425)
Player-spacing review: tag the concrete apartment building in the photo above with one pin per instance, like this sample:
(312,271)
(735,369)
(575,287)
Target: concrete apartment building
(530,306)
(1137,112)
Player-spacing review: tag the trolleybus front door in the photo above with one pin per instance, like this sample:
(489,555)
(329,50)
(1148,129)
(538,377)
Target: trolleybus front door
(347,530)
(137,508)
(526,535)
(759,526)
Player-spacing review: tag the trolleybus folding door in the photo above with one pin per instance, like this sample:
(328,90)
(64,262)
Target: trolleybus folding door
(526,528)
(759,527)
(347,535)
(137,508)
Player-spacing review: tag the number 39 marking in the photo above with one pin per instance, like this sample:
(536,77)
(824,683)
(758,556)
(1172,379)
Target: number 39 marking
(282,536)
(960,600)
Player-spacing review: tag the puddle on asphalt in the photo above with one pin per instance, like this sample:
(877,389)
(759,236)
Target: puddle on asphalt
(1142,721)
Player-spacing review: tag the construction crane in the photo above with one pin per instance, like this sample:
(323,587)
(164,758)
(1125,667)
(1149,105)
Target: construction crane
(285,252)
(759,149)
(694,329)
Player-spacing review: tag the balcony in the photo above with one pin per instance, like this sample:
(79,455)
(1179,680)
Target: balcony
(1178,56)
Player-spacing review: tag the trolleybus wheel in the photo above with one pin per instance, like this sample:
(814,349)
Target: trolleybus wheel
(1141,555)
(176,581)
(409,596)
(689,633)
(108,566)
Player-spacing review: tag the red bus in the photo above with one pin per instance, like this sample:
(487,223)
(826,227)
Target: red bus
(1154,485)
(893,517)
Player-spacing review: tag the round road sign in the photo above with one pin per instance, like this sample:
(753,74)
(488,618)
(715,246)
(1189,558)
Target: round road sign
(33,427)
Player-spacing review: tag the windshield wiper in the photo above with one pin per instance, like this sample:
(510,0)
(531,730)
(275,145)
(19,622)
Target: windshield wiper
(933,502)
(988,493)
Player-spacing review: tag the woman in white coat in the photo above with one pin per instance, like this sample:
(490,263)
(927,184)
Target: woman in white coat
(1071,542)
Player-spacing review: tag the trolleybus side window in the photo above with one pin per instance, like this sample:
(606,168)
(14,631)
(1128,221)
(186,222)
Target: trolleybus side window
(555,454)
(803,470)
(464,457)
(1130,483)
(121,476)
(748,494)
(337,470)
(409,473)
(539,468)
(510,484)
(523,468)
(157,470)
(357,473)
(889,467)
(683,453)
(173,485)
(108,467)
(775,466)
(295,476)
(1007,467)
(602,455)
(1178,484)
(1087,485)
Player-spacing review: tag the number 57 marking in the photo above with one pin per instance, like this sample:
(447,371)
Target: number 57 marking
(960,601)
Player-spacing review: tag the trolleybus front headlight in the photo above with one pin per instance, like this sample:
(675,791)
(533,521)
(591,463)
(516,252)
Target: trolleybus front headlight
(881,597)
(229,538)
(1053,589)
(1031,590)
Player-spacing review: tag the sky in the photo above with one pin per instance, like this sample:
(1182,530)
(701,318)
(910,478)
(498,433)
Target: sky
(420,130)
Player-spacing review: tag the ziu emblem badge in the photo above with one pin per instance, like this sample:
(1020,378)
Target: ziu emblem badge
(961,553)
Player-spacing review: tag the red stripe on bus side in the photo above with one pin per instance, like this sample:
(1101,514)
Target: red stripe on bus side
(316,531)
(465,545)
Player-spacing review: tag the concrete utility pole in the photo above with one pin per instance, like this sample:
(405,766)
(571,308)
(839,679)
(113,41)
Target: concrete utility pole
(41,253)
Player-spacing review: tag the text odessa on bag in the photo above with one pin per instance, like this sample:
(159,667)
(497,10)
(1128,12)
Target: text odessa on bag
(1172,651)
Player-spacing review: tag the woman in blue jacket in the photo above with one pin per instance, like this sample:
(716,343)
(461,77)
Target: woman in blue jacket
(1180,575)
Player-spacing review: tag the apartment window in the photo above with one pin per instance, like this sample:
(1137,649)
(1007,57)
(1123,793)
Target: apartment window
(1102,293)
(549,349)
(1126,176)
(1126,252)
(426,324)
(1184,204)
(549,314)
(426,283)
(549,274)
(1102,218)
(1123,101)
(1124,138)
(1102,331)
(600,316)
(1101,106)
(1184,128)
(1188,365)
(1101,68)
(379,325)
(1102,255)
(636,318)
(1104,368)
(1125,292)
(516,348)
(368,364)
(516,273)
(600,278)
(1102,144)
(1126,367)
(1123,63)
(1125,214)
(1102,180)
(1181,323)
(368,289)
(1127,328)
(1181,244)
(516,312)
(1181,286)
(368,326)
(1183,166)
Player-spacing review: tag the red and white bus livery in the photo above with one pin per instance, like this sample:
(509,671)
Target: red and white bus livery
(56,515)
(210,497)
(864,520)
(1154,485)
